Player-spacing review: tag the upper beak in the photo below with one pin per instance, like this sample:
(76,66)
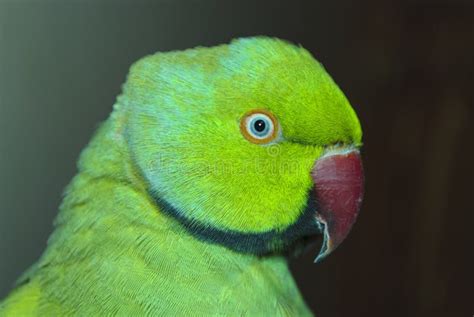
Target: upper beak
(338,179)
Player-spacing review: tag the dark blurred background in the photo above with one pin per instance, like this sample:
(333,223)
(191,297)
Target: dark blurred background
(406,66)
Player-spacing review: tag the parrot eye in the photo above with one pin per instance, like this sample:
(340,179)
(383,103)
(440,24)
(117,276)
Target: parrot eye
(259,126)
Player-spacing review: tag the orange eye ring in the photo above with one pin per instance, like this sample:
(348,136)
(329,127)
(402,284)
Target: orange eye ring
(259,126)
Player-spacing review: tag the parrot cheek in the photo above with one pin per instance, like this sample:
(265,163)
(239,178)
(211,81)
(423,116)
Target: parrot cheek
(339,186)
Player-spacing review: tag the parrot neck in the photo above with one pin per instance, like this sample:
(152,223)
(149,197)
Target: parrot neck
(113,247)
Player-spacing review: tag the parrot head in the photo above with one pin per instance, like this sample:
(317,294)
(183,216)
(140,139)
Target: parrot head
(249,145)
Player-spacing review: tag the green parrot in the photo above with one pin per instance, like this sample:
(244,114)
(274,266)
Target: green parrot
(215,166)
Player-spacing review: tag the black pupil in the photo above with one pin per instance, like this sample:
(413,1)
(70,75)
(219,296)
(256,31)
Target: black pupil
(259,125)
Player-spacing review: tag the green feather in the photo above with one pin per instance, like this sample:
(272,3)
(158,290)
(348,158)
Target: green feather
(168,185)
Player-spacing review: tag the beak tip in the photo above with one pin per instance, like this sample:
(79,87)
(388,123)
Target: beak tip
(322,254)
(326,247)
(319,258)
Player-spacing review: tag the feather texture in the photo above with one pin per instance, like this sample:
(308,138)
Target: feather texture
(174,137)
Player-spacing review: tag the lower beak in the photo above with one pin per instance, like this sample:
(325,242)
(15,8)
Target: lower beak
(338,188)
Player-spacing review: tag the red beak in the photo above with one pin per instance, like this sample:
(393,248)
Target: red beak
(339,187)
